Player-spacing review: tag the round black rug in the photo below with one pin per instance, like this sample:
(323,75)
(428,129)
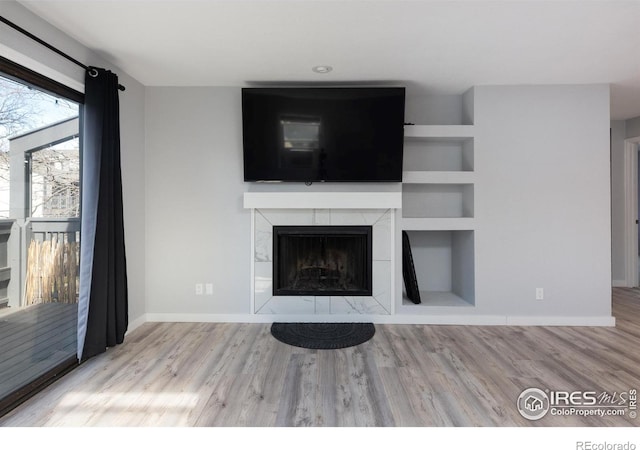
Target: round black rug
(322,336)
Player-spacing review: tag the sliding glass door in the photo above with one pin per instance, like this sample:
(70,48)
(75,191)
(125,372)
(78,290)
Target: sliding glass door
(40,155)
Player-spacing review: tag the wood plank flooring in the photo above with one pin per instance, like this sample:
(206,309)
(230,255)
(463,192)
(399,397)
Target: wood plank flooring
(34,340)
(224,374)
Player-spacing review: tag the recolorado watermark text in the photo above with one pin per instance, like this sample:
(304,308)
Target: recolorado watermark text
(588,445)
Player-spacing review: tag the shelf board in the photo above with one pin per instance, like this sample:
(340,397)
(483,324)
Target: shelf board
(322,200)
(438,177)
(437,223)
(439,132)
(435,299)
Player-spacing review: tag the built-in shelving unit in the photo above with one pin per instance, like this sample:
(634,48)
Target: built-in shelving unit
(438,210)
(436,200)
(444,263)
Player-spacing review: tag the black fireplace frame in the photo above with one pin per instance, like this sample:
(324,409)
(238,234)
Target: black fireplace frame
(315,230)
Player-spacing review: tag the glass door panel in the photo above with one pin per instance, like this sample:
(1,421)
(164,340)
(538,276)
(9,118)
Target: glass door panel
(39,235)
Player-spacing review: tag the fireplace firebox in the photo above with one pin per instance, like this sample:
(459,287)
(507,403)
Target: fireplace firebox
(322,260)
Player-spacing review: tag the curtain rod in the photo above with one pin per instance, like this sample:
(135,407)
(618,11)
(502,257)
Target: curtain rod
(49,46)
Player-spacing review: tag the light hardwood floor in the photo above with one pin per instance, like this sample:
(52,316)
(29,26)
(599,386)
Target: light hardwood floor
(204,374)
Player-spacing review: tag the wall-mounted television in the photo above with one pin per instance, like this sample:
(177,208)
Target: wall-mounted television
(332,134)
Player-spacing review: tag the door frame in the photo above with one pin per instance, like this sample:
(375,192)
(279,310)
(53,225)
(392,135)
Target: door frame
(631,146)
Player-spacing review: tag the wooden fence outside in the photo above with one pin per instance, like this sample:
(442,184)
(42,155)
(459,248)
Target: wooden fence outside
(52,271)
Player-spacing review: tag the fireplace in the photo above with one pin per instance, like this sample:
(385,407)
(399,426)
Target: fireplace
(322,260)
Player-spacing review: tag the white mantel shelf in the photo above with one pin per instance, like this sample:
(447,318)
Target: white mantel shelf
(322,200)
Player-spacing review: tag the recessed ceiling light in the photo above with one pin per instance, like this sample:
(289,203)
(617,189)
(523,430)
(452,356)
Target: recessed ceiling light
(322,69)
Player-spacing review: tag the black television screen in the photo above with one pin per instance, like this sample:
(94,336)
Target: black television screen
(323,134)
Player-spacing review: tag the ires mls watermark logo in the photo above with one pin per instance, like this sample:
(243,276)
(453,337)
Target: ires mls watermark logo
(534,403)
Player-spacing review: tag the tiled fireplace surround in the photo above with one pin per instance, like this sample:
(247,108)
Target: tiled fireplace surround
(292,208)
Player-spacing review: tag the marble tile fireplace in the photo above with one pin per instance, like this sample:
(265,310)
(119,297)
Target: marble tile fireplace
(327,292)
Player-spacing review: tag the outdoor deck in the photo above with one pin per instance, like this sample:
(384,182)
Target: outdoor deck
(33,340)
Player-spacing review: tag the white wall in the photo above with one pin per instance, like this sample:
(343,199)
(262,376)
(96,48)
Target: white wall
(542,190)
(543,200)
(618,130)
(197,230)
(132,151)
(23,51)
(633,127)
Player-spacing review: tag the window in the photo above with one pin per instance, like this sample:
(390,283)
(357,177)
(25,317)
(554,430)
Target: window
(55,180)
(40,175)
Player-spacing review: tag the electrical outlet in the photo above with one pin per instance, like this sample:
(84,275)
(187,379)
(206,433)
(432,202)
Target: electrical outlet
(539,293)
(198,288)
(208,288)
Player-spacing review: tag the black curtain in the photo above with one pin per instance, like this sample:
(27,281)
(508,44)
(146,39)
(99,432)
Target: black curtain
(103,302)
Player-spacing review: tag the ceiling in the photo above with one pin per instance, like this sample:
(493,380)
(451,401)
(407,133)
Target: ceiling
(432,47)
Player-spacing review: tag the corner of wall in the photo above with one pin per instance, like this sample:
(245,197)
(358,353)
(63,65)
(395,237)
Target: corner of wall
(632,127)
(34,56)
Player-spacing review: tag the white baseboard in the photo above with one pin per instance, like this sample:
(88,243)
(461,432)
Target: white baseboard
(563,321)
(443,319)
(619,283)
(136,323)
(209,318)
(401,319)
